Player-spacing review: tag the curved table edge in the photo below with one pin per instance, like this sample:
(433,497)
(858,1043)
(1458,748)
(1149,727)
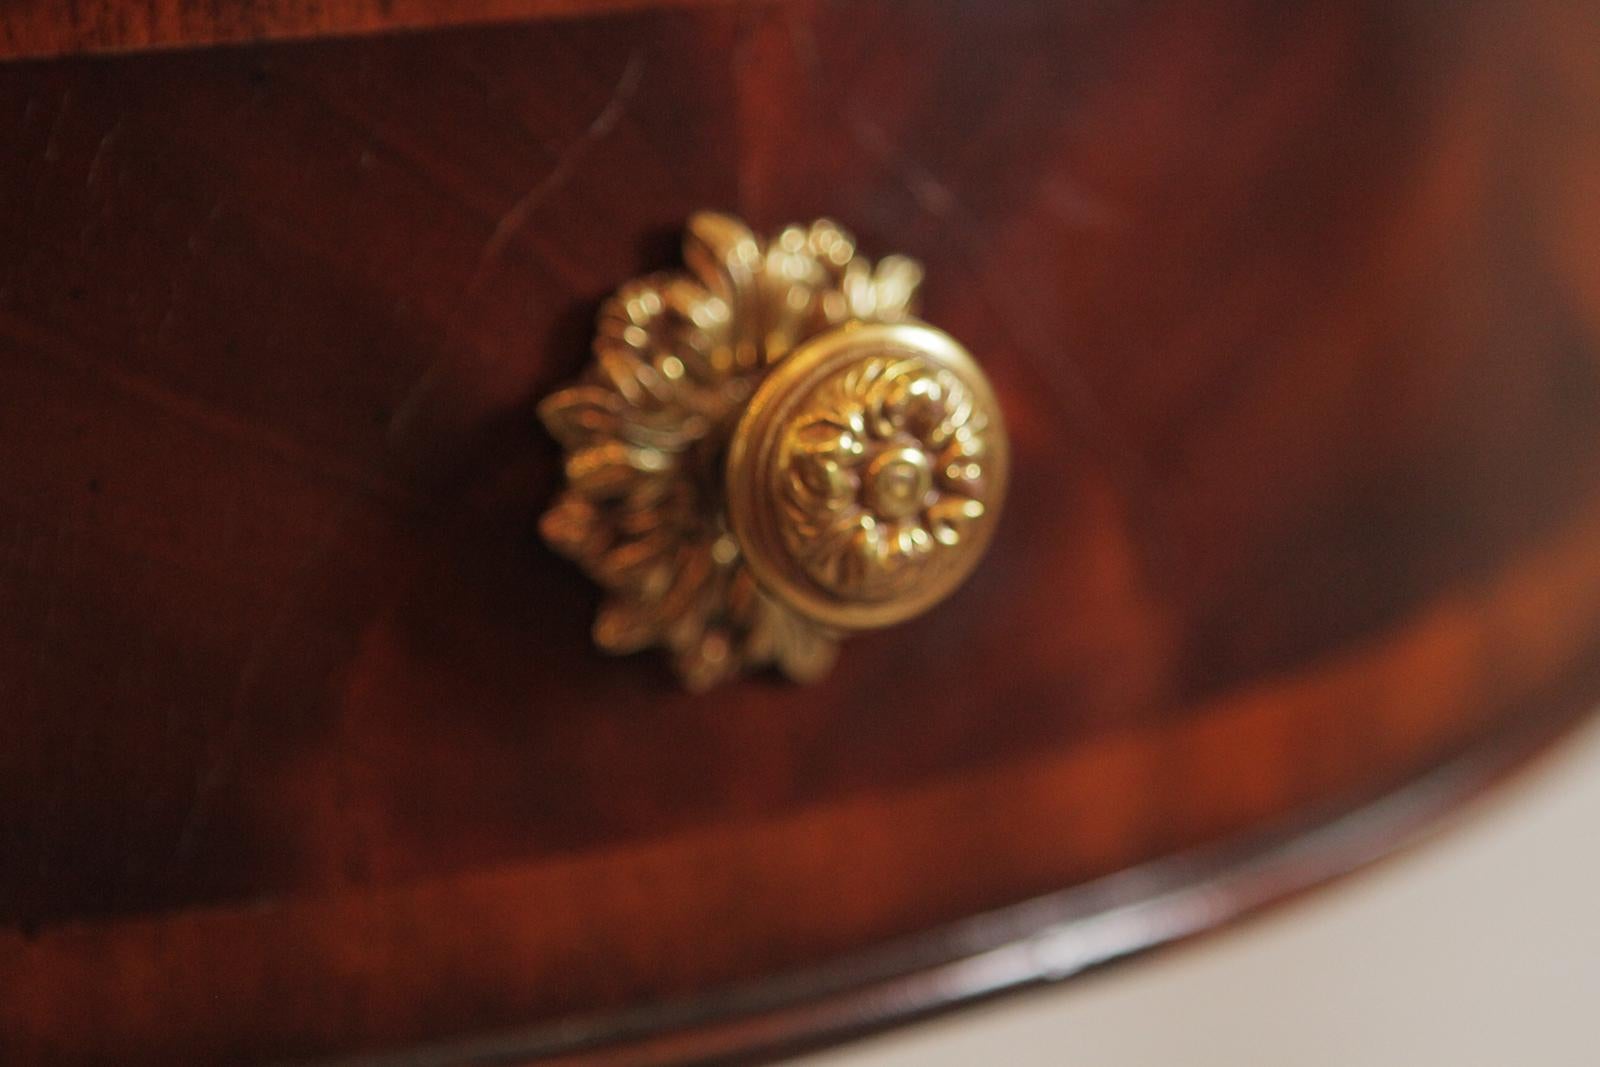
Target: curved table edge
(1037,942)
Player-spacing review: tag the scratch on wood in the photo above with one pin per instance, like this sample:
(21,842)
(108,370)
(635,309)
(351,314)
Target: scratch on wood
(52,144)
(100,149)
(210,419)
(929,193)
(195,243)
(214,775)
(1062,372)
(599,128)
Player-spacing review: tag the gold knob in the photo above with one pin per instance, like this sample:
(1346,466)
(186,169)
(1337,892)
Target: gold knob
(863,478)
(768,450)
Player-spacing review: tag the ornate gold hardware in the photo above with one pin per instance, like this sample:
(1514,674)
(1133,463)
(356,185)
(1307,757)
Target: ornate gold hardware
(768,450)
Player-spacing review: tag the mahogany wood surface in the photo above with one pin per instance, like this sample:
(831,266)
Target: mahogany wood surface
(31,28)
(304,750)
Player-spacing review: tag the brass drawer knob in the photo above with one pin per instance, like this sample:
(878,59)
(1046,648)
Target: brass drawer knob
(768,451)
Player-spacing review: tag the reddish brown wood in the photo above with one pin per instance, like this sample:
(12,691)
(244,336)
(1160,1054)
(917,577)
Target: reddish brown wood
(1293,311)
(33,28)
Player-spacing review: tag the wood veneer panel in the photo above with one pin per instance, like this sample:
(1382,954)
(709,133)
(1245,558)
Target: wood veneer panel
(1292,312)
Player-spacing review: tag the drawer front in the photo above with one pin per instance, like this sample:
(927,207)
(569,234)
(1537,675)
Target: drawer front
(1292,316)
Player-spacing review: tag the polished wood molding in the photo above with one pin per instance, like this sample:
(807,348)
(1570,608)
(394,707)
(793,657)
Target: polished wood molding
(43,28)
(1046,940)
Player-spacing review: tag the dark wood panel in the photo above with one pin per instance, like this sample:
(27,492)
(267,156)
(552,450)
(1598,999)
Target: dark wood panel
(1292,311)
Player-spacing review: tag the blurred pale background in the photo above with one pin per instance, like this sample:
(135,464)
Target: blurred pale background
(1479,948)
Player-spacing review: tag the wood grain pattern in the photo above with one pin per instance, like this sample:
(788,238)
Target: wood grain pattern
(1292,310)
(38,28)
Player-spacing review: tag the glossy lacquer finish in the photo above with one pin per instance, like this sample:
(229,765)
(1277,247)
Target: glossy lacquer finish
(1292,311)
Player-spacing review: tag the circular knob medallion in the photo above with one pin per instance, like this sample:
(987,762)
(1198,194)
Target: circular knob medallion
(866,474)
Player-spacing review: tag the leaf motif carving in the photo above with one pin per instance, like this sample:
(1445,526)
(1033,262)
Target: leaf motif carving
(581,415)
(611,470)
(624,626)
